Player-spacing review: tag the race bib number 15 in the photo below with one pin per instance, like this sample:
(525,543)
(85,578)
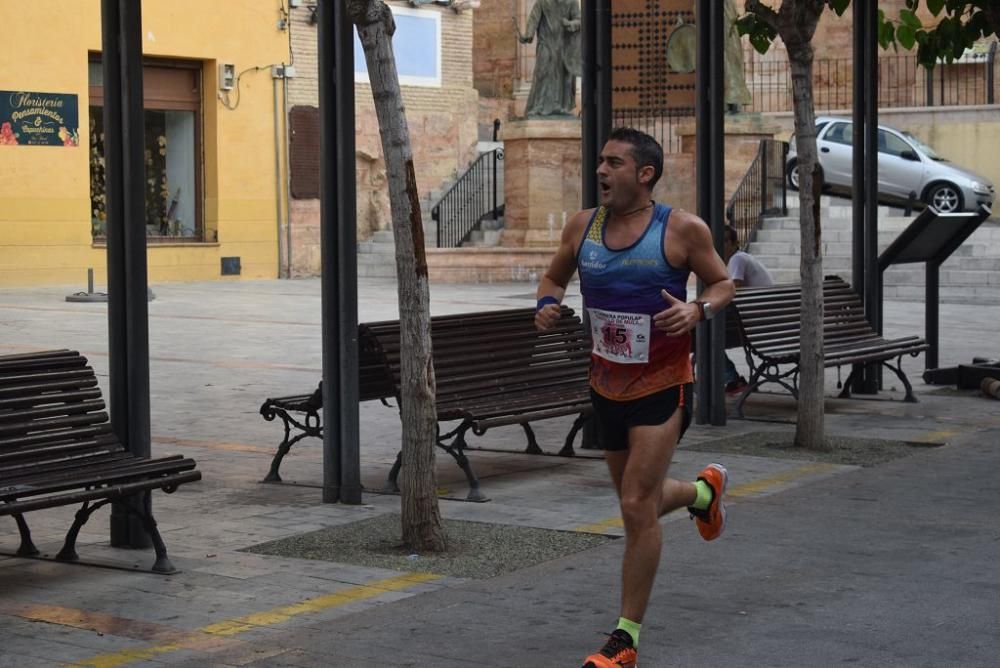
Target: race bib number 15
(620,337)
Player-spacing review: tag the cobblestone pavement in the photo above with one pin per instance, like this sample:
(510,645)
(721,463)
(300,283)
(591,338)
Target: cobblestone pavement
(823,564)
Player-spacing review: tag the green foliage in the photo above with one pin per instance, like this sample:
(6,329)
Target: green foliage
(761,33)
(840,6)
(959,24)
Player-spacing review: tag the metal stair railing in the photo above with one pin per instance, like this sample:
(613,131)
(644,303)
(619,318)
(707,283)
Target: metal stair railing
(762,191)
(472,198)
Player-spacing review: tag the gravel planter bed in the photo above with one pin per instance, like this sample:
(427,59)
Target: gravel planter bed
(846,450)
(475,549)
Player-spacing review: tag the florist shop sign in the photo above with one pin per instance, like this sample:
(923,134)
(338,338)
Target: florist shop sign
(38,119)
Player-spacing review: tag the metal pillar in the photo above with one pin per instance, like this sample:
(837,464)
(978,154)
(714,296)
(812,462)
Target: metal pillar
(341,438)
(595,112)
(858,156)
(603,47)
(932,314)
(864,240)
(710,161)
(596,108)
(128,324)
(873,307)
(589,93)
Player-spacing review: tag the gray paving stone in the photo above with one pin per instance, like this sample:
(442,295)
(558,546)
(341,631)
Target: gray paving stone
(809,573)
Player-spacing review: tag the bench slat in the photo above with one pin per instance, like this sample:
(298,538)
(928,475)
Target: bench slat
(112,473)
(14,455)
(769,324)
(119,491)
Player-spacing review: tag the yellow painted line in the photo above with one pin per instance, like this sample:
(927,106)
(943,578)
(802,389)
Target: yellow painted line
(941,435)
(753,488)
(602,526)
(212,445)
(89,620)
(764,484)
(208,636)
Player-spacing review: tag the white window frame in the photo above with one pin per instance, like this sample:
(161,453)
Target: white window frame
(410,80)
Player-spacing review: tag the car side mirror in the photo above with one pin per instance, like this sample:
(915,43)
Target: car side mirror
(909,155)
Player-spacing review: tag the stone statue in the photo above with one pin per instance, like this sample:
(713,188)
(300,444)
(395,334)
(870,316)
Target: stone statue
(736,91)
(456,5)
(557,57)
(682,50)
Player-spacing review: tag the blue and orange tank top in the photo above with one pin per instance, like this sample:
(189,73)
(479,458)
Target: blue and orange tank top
(621,291)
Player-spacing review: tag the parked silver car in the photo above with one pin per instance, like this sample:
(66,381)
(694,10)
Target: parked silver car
(905,165)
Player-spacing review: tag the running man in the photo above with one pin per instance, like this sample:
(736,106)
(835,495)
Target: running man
(634,258)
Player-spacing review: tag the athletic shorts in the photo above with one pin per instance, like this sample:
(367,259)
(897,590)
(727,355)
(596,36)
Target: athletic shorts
(614,418)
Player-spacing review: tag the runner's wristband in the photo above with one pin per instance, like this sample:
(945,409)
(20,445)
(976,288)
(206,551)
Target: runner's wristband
(545,301)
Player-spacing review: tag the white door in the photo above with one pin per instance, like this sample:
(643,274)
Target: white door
(835,153)
(900,167)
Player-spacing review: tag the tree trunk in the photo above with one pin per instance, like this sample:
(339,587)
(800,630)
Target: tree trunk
(809,428)
(421,518)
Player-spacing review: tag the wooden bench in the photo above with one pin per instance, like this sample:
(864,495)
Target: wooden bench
(302,412)
(57,449)
(491,369)
(768,320)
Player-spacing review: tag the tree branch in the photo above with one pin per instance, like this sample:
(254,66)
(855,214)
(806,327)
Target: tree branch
(364,13)
(763,12)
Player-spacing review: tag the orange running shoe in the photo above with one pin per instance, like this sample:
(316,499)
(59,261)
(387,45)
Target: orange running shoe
(712,521)
(617,652)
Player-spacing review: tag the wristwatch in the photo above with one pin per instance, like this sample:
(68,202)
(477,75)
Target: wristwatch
(706,310)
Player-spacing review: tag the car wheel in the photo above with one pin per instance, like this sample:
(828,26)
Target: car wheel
(793,174)
(945,197)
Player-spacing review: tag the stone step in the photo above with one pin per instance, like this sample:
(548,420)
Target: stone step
(773,262)
(912,290)
(840,243)
(826,213)
(376,266)
(792,248)
(956,273)
(948,294)
(792,199)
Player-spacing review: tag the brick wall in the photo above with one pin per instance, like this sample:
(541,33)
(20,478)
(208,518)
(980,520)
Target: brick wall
(442,124)
(495,64)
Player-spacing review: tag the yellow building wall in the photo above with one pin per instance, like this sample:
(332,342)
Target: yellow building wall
(45,230)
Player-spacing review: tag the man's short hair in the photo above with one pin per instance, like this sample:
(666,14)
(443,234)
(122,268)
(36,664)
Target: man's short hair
(732,236)
(646,151)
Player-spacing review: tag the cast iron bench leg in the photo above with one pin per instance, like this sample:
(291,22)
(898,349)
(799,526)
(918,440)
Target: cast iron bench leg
(27,548)
(391,485)
(309,427)
(68,551)
(910,398)
(567,449)
(845,392)
(162,563)
(286,445)
(532,448)
(455,450)
(283,448)
(751,386)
